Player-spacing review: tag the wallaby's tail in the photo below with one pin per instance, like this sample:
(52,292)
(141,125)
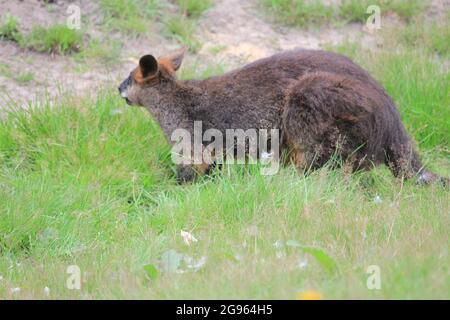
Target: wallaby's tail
(404,162)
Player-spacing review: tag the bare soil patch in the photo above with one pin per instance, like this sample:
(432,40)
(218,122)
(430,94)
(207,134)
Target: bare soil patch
(233,32)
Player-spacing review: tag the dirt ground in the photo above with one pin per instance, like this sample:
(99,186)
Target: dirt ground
(242,28)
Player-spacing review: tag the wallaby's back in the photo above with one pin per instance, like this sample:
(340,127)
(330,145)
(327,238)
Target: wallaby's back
(254,95)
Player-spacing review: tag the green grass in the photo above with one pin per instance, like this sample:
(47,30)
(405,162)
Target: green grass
(427,94)
(300,12)
(25,77)
(435,37)
(183,29)
(9,30)
(355,10)
(89,181)
(198,70)
(182,26)
(317,12)
(101,51)
(55,39)
(5,70)
(194,8)
(129,16)
(134,16)
(76,189)
(405,9)
(22,77)
(217,49)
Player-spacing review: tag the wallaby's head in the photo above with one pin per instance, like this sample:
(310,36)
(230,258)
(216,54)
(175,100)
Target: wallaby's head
(151,79)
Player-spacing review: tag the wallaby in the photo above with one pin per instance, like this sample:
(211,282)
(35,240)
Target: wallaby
(321,102)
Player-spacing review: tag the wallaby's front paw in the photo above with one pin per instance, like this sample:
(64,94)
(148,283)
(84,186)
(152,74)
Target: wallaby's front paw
(185,174)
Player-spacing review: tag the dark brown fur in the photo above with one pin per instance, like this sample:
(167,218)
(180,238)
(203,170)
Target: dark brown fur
(322,102)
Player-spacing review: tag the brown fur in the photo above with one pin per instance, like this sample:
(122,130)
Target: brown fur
(322,102)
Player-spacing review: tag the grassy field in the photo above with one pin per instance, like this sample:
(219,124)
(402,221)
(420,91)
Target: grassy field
(315,12)
(88,181)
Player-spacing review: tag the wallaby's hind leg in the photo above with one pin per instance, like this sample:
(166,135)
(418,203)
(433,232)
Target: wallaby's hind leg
(327,114)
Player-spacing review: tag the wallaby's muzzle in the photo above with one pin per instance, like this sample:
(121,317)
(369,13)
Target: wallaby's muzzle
(123,89)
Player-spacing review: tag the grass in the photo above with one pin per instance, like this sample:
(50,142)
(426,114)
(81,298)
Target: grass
(10,29)
(182,29)
(194,8)
(306,13)
(182,26)
(104,52)
(217,49)
(25,77)
(5,70)
(55,39)
(129,16)
(197,70)
(89,182)
(22,77)
(76,189)
(300,12)
(355,10)
(405,9)
(132,17)
(435,37)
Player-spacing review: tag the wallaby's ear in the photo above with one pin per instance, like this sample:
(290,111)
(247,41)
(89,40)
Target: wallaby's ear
(176,58)
(148,65)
